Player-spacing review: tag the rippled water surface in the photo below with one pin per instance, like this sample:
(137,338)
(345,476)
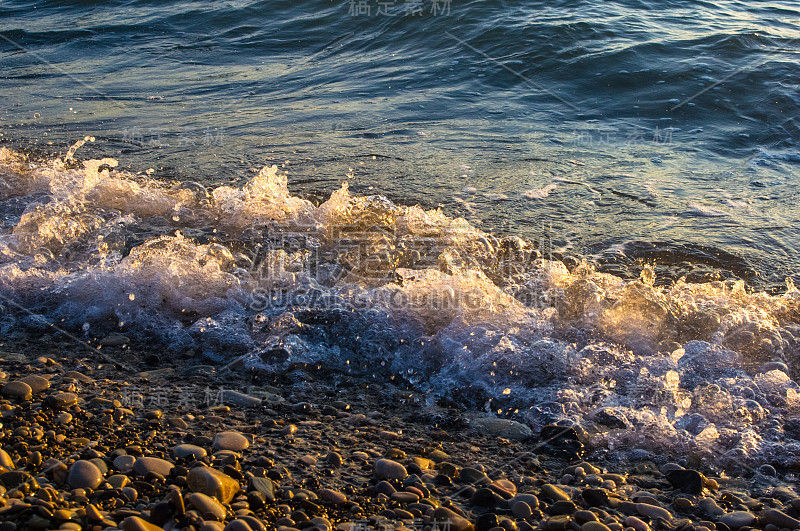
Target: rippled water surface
(612,122)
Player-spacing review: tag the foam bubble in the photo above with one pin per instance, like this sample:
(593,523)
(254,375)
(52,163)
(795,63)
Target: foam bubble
(363,286)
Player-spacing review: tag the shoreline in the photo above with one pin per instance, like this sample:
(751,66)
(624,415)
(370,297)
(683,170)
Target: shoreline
(349,457)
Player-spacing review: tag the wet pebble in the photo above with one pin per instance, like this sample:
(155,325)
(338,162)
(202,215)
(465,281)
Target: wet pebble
(124,463)
(388,469)
(189,450)
(37,383)
(18,390)
(212,482)
(554,493)
(688,481)
(206,505)
(231,440)
(738,519)
(144,465)
(84,474)
(332,496)
(779,519)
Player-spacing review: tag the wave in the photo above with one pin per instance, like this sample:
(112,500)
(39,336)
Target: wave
(269,283)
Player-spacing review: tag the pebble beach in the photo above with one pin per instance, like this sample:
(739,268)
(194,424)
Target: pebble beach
(87,444)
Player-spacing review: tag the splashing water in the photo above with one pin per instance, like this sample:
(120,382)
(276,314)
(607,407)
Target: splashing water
(360,285)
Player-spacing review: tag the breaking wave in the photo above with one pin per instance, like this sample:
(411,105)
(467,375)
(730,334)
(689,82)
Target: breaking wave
(267,282)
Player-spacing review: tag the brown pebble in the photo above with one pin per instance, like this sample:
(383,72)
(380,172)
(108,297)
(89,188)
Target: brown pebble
(230,440)
(37,383)
(134,523)
(18,390)
(456,522)
(307,460)
(238,525)
(177,500)
(388,469)
(206,505)
(332,496)
(5,460)
(143,465)
(92,513)
(212,482)
(594,526)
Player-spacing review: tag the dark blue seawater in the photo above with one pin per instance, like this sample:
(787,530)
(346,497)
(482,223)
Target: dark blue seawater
(671,122)
(557,211)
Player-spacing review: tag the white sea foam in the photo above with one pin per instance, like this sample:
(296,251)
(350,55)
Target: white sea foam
(359,284)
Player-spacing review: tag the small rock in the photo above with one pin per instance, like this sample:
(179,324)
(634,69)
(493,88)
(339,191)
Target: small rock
(93,514)
(710,507)
(235,398)
(143,465)
(558,523)
(683,504)
(506,428)
(124,463)
(611,418)
(636,523)
(230,440)
(562,441)
(451,520)
(486,498)
(264,486)
(651,511)
(530,499)
(119,481)
(520,509)
(405,497)
(334,459)
(779,519)
(36,383)
(332,496)
(595,497)
(307,460)
(438,456)
(473,476)
(6,461)
(177,422)
(738,519)
(582,516)
(384,487)
(388,469)
(554,493)
(562,507)
(688,481)
(84,475)
(189,450)
(212,482)
(18,390)
(134,523)
(61,400)
(238,525)
(206,505)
